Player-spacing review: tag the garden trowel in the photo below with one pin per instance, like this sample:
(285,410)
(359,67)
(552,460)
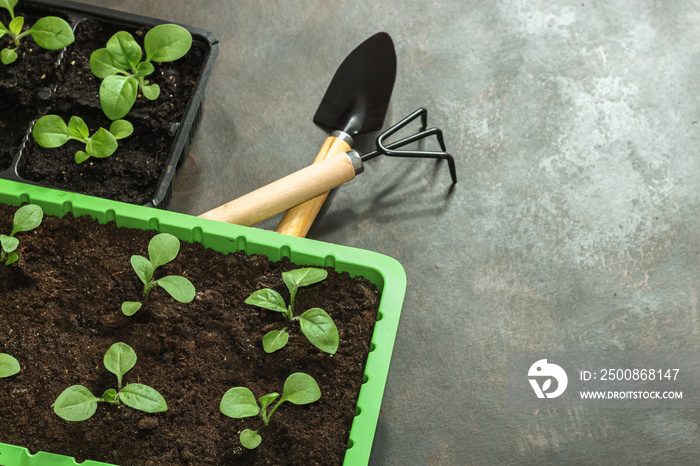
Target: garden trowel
(355,102)
(324,175)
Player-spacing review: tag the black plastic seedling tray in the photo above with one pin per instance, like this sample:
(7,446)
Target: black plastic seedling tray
(45,99)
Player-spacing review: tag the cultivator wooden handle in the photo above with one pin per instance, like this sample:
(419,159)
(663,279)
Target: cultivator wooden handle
(297,220)
(289,191)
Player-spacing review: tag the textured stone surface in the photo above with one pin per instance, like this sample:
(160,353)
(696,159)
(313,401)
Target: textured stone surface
(574,225)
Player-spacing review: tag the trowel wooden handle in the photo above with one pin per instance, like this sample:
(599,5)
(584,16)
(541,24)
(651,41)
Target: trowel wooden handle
(297,220)
(289,191)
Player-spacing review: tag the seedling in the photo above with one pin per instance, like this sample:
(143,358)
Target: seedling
(239,402)
(8,365)
(26,218)
(50,32)
(123,73)
(315,323)
(162,249)
(77,403)
(51,131)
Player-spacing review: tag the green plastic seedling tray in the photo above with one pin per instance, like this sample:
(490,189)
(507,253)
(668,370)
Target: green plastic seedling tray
(383,271)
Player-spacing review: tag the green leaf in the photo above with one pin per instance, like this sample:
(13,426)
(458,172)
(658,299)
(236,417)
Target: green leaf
(102,64)
(16,25)
(151,92)
(50,131)
(52,33)
(109,395)
(75,403)
(8,365)
(81,156)
(267,299)
(144,69)
(129,308)
(119,359)
(124,50)
(143,268)
(12,258)
(9,5)
(8,243)
(267,400)
(250,439)
(143,398)
(8,56)
(102,144)
(320,329)
(300,389)
(27,218)
(162,249)
(77,128)
(121,129)
(275,340)
(117,95)
(303,277)
(239,402)
(180,288)
(167,42)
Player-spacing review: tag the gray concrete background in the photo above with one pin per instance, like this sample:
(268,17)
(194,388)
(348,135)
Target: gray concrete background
(574,225)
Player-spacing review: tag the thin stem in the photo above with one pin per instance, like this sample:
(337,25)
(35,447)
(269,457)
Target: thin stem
(83,140)
(147,289)
(268,416)
(140,80)
(291,303)
(19,36)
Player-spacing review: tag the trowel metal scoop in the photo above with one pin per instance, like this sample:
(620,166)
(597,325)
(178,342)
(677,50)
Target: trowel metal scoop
(325,175)
(355,102)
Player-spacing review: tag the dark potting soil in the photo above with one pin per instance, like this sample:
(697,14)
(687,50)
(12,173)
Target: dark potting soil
(35,68)
(14,121)
(130,175)
(60,82)
(60,312)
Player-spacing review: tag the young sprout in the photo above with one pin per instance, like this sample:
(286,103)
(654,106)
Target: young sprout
(123,73)
(239,402)
(315,323)
(26,218)
(8,365)
(162,249)
(51,131)
(77,403)
(50,32)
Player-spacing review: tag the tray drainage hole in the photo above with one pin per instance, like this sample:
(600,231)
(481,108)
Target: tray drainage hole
(154,224)
(285,251)
(198,235)
(380,316)
(242,244)
(66,207)
(365,378)
(358,410)
(110,216)
(24,198)
(350,443)
(329,261)
(372,347)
